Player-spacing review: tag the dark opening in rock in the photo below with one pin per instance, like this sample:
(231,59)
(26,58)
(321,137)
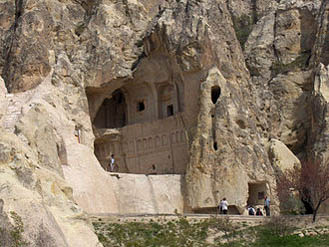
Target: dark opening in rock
(232,209)
(170,110)
(256,193)
(215,146)
(215,93)
(140,106)
(241,124)
(112,113)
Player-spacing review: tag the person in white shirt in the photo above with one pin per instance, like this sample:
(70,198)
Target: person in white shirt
(112,163)
(223,206)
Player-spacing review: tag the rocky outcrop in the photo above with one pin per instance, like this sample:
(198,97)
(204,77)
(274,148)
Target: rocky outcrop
(27,65)
(3,100)
(277,53)
(321,47)
(239,161)
(318,133)
(202,89)
(281,156)
(40,198)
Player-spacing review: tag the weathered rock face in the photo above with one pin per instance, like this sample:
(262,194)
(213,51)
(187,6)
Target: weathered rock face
(281,157)
(277,54)
(26,64)
(321,45)
(3,100)
(192,88)
(319,108)
(40,198)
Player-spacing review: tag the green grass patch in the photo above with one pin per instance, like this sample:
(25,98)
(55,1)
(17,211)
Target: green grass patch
(195,233)
(12,235)
(168,233)
(267,238)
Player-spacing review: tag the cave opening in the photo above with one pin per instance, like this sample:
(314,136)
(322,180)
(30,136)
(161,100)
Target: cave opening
(256,193)
(215,146)
(215,93)
(170,110)
(307,206)
(113,112)
(140,106)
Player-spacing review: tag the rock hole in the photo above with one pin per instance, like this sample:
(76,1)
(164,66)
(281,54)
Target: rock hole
(61,152)
(256,193)
(112,113)
(215,93)
(170,110)
(140,106)
(241,124)
(215,146)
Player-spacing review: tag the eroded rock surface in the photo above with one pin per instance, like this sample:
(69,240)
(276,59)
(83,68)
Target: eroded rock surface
(188,94)
(41,198)
(281,156)
(3,99)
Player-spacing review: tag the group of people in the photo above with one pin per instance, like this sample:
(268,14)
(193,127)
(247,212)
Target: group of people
(223,207)
(252,211)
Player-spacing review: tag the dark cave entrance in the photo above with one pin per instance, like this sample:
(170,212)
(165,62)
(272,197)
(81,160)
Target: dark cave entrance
(215,93)
(113,112)
(256,193)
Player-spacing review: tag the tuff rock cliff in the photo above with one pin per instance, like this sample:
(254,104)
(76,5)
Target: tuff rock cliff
(250,82)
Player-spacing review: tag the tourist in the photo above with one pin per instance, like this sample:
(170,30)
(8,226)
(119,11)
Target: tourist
(259,212)
(112,163)
(223,206)
(267,205)
(251,210)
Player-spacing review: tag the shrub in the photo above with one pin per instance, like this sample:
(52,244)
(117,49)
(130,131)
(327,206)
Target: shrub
(300,62)
(243,27)
(12,235)
(279,226)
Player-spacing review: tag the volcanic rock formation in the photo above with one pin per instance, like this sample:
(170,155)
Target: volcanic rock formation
(197,100)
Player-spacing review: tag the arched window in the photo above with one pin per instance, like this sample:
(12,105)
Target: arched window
(167,102)
(140,106)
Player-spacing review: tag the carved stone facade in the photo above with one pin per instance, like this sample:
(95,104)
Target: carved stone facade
(153,147)
(142,125)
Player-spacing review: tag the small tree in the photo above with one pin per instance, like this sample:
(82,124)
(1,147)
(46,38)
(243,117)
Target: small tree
(311,181)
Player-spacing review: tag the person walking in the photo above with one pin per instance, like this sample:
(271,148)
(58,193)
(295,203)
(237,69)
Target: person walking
(223,206)
(267,206)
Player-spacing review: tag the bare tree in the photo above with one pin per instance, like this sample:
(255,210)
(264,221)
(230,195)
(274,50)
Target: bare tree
(311,181)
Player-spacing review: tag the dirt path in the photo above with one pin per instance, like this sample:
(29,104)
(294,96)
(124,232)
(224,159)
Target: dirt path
(302,220)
